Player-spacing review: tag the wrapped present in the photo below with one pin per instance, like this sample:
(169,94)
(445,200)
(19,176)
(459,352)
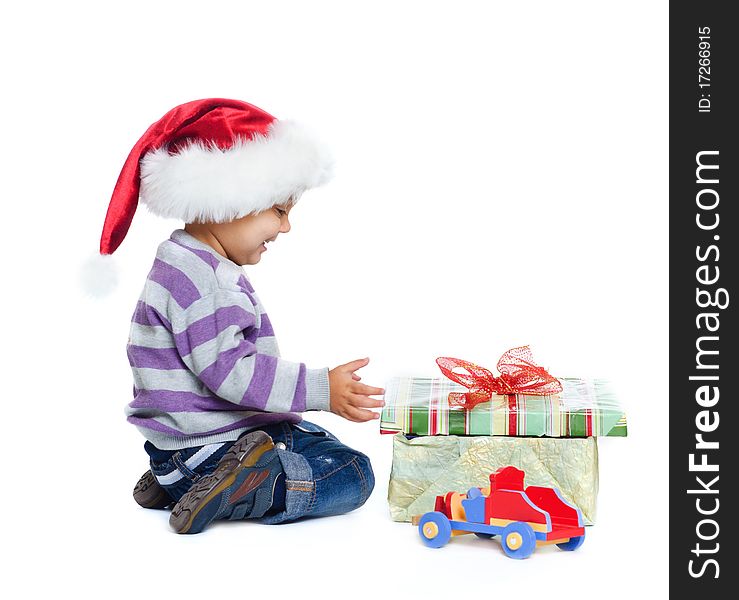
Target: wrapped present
(584,408)
(525,400)
(424,467)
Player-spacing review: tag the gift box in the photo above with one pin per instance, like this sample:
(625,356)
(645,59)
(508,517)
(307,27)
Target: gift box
(453,431)
(420,405)
(426,466)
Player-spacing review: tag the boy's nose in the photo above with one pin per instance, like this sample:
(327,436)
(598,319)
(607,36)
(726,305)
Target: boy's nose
(285,226)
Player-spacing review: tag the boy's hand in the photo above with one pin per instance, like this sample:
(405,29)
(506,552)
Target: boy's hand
(350,399)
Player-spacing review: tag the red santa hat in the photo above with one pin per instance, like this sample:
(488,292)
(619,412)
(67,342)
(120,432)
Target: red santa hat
(212,160)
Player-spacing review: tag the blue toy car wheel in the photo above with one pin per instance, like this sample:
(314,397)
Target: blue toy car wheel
(518,539)
(573,543)
(434,529)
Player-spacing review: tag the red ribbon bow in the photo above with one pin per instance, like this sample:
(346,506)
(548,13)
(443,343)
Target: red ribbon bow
(519,374)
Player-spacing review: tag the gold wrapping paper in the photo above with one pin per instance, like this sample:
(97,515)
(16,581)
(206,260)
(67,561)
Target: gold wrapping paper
(428,466)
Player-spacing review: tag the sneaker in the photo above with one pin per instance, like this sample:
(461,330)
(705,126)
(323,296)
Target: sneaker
(241,486)
(149,494)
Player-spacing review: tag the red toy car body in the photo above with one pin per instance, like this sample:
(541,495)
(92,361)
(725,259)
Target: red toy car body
(523,518)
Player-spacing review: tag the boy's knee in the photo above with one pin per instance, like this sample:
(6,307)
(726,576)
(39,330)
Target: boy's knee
(367,475)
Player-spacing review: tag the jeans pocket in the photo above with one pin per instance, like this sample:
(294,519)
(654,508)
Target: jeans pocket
(308,427)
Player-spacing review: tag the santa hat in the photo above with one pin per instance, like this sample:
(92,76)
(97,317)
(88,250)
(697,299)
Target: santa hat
(211,160)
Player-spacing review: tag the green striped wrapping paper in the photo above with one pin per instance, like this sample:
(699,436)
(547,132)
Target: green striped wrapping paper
(417,405)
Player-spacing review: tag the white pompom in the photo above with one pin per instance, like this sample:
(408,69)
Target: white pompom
(98,275)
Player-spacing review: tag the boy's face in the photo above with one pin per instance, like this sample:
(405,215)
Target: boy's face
(244,240)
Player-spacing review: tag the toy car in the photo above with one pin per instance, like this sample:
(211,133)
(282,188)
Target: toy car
(522,519)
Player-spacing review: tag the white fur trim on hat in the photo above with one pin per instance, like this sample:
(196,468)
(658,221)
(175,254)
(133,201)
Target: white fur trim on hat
(204,183)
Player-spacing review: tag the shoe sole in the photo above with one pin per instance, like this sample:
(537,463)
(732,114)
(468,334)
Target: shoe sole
(243,454)
(149,494)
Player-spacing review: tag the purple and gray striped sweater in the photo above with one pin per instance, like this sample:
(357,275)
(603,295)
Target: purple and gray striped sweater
(205,361)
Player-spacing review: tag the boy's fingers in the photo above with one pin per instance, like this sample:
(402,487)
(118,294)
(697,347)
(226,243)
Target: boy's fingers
(367,390)
(356,377)
(366,401)
(359,415)
(356,364)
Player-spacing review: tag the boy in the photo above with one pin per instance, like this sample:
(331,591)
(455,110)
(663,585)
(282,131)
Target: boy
(212,396)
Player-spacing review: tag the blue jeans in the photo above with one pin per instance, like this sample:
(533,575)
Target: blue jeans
(322,476)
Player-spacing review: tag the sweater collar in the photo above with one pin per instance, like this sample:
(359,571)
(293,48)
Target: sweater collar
(182,237)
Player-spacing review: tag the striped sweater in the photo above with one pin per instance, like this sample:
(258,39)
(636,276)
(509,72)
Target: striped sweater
(205,361)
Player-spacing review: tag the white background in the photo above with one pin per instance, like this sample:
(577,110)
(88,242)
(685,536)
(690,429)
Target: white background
(501,180)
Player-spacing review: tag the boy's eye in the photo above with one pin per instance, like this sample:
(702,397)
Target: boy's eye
(280,211)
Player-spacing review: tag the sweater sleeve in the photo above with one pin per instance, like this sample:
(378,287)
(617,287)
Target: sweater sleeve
(216,338)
